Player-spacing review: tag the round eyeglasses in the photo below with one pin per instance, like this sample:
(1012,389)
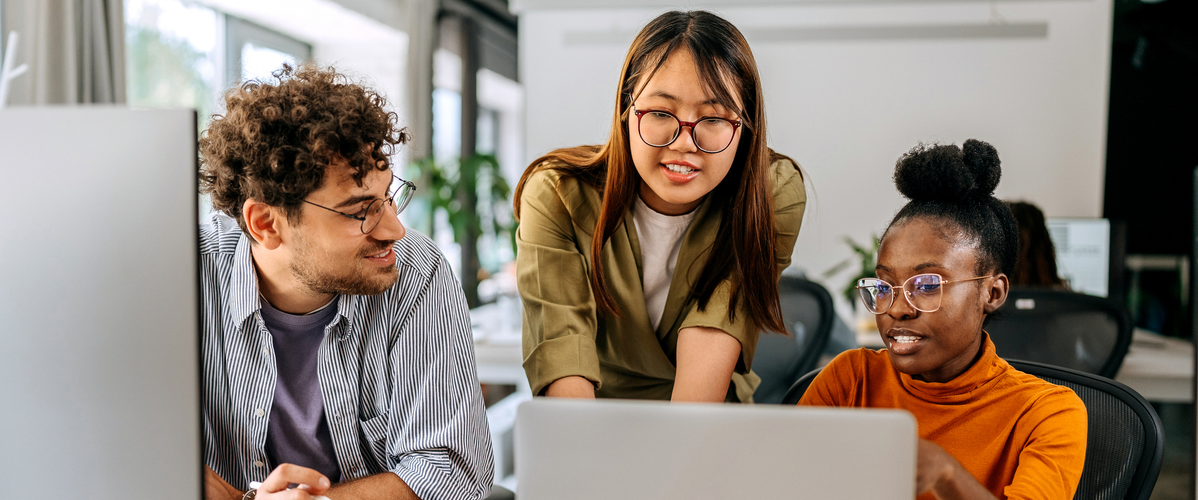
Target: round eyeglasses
(660,129)
(373,213)
(923,291)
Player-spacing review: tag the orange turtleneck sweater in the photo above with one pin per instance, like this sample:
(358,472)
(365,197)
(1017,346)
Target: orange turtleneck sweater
(1021,437)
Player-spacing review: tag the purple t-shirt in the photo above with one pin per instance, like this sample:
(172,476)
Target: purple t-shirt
(297,432)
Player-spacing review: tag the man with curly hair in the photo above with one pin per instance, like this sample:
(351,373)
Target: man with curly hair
(337,354)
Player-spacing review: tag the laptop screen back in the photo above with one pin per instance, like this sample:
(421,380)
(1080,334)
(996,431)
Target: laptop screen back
(652,450)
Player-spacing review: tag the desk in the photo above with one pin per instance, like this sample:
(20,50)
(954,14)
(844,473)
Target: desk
(1159,368)
(497,329)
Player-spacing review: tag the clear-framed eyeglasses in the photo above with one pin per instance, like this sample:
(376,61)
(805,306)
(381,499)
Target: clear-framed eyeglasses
(400,196)
(660,129)
(923,291)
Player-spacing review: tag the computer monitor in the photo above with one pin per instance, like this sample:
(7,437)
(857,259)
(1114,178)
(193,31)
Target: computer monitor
(1083,251)
(99,372)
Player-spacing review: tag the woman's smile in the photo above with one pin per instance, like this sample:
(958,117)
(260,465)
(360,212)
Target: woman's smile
(904,342)
(679,171)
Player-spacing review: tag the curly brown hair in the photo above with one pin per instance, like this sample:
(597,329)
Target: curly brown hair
(277,137)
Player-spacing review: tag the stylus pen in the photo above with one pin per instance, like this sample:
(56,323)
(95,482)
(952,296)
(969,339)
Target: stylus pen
(255,485)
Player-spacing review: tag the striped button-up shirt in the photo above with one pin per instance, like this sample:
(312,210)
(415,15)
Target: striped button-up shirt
(396,373)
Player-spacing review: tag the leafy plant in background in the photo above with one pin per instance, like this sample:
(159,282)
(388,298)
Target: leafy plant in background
(866,256)
(444,187)
(474,201)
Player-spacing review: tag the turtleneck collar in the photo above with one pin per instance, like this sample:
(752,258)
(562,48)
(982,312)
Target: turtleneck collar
(976,380)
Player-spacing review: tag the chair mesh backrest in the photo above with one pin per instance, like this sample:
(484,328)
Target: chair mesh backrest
(1065,329)
(1114,444)
(1124,442)
(779,359)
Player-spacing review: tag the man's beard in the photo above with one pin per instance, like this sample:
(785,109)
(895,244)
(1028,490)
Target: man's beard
(305,266)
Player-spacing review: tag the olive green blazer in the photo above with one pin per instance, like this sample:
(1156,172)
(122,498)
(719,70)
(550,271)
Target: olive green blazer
(624,356)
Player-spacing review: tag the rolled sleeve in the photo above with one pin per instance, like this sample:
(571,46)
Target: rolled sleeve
(552,275)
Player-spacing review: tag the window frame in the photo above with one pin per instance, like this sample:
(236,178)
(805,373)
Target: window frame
(239,32)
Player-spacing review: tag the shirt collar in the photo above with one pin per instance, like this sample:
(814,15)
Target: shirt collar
(976,380)
(243,294)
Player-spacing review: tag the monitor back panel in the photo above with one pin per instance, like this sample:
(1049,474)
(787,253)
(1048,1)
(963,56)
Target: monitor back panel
(99,377)
(650,450)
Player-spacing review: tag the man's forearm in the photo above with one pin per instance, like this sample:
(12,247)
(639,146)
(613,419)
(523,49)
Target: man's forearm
(384,486)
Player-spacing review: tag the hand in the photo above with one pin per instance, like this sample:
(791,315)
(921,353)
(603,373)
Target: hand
(931,466)
(215,487)
(311,483)
(937,471)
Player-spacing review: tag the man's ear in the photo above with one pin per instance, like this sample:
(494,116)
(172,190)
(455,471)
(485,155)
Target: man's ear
(995,294)
(264,222)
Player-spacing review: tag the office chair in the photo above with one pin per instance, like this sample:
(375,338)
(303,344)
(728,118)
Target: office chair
(1124,442)
(1061,328)
(795,393)
(780,359)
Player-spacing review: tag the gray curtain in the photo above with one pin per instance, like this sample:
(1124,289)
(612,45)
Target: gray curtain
(75,50)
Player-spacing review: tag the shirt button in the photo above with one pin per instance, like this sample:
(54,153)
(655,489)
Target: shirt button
(266,351)
(260,412)
(259,463)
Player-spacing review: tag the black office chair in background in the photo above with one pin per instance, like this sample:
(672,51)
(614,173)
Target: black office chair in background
(780,359)
(1061,328)
(1124,442)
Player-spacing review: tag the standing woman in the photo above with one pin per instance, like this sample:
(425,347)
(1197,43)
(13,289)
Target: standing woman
(647,265)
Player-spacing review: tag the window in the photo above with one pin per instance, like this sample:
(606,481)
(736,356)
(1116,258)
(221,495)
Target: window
(173,55)
(255,52)
(183,55)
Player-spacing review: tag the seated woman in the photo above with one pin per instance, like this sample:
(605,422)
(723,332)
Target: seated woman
(986,430)
(1036,265)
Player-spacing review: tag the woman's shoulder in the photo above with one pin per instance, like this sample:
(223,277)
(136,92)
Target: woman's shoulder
(1039,395)
(787,177)
(554,175)
(550,184)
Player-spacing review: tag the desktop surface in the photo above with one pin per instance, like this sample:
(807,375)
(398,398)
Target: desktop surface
(99,369)
(607,449)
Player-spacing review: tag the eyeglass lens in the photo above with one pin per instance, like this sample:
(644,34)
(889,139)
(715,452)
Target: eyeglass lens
(922,291)
(398,200)
(712,135)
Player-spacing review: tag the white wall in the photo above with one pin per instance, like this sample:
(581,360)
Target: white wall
(851,86)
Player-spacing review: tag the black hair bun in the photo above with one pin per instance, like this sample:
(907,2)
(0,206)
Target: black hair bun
(948,173)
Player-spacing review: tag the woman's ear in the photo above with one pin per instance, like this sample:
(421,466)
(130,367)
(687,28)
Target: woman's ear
(995,292)
(264,223)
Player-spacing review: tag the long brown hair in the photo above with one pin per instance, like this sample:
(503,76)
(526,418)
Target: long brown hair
(1037,261)
(744,246)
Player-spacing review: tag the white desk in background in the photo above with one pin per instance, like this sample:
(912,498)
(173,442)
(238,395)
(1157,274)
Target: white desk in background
(497,329)
(1160,368)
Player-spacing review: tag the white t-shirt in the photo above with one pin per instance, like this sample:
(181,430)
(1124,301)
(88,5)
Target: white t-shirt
(661,238)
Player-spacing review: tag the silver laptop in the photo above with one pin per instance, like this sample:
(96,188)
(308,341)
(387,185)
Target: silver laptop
(99,373)
(580,450)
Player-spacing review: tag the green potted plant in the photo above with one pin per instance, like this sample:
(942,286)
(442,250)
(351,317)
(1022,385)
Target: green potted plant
(475,195)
